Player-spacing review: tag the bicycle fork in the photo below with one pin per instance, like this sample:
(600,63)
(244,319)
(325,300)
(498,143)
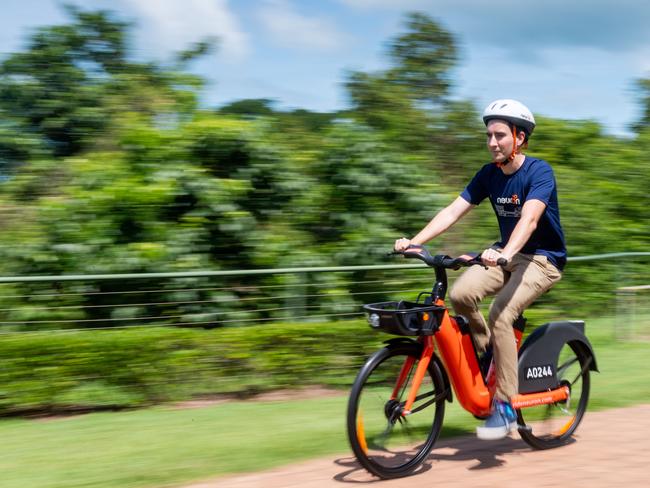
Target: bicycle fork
(421,370)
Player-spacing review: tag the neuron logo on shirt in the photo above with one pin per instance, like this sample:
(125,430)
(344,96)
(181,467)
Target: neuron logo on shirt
(513,200)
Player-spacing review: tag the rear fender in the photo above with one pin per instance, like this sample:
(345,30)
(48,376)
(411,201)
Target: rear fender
(434,358)
(538,356)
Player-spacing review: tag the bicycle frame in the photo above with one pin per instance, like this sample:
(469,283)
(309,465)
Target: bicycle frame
(553,363)
(458,355)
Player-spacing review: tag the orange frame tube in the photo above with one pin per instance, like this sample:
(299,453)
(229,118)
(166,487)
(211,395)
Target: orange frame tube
(421,370)
(543,398)
(457,353)
(406,367)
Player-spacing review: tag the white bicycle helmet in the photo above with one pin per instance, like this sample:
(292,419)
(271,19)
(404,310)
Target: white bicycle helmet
(512,111)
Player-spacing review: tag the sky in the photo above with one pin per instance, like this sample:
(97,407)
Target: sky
(568,60)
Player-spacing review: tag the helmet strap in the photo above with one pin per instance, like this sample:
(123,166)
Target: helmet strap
(513,154)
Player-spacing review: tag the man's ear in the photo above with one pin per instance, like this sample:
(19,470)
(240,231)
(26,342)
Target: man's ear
(521,138)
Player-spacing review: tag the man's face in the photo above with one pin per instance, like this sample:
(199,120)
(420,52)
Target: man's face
(499,140)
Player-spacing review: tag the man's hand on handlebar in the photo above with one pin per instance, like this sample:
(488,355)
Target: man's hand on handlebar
(402,244)
(492,257)
(489,257)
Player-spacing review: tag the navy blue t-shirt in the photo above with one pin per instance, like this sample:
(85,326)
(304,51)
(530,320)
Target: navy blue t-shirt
(534,180)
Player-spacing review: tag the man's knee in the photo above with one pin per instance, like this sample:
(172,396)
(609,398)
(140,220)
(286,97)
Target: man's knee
(505,315)
(460,297)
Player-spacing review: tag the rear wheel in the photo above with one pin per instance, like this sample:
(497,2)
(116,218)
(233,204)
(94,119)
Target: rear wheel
(549,426)
(387,443)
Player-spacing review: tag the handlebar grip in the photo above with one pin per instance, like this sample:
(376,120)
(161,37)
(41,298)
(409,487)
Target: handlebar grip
(502,262)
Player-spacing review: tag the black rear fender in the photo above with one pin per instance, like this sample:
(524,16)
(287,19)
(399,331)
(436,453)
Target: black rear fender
(538,356)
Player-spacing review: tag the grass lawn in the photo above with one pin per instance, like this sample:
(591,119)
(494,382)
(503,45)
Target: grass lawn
(161,447)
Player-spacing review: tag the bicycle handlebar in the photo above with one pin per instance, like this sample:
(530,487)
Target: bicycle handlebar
(442,260)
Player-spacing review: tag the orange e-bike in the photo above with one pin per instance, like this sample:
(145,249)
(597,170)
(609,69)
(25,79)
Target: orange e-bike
(397,402)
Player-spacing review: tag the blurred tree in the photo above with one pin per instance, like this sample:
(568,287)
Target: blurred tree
(249,106)
(366,194)
(196,50)
(73,80)
(123,172)
(300,121)
(389,108)
(423,58)
(306,121)
(409,102)
(643,87)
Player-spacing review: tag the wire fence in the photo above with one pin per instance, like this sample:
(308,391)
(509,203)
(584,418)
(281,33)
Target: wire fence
(633,312)
(212,299)
(89,303)
(46,367)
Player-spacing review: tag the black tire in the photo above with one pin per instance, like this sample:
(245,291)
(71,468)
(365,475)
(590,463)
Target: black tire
(387,444)
(550,426)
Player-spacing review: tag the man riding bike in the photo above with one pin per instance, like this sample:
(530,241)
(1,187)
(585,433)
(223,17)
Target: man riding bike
(523,194)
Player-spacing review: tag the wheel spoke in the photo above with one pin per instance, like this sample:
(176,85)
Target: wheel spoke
(437,398)
(567,364)
(584,369)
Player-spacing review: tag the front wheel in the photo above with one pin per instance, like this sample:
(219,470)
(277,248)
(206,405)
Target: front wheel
(549,426)
(386,443)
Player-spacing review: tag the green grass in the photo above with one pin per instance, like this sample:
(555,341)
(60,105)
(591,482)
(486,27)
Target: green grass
(161,447)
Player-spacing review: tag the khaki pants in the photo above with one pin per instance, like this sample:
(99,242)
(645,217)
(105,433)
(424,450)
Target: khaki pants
(516,286)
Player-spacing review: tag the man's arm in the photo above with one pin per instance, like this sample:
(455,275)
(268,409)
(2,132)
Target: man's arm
(531,212)
(444,219)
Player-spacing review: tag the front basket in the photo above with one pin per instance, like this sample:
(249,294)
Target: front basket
(404,318)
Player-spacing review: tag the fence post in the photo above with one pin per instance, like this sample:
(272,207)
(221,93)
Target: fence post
(296,300)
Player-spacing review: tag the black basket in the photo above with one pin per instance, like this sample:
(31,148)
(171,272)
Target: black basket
(404,318)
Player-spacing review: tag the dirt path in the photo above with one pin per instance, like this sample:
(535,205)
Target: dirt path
(611,449)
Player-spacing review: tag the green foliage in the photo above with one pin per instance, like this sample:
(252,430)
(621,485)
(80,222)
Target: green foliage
(103,369)
(298,123)
(127,368)
(74,81)
(251,106)
(111,167)
(388,108)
